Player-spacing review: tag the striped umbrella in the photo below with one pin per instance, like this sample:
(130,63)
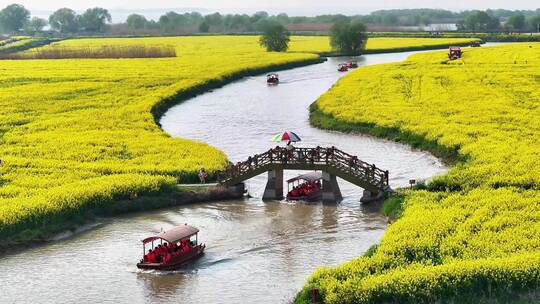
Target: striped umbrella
(286,136)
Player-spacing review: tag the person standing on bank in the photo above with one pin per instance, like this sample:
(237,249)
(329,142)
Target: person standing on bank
(203,175)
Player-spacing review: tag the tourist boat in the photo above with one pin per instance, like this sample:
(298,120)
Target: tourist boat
(171,249)
(476,44)
(343,67)
(305,187)
(272,78)
(352,64)
(454,52)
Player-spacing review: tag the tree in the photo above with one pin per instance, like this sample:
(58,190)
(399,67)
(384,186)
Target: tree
(275,38)
(214,20)
(516,22)
(533,23)
(258,16)
(95,20)
(64,20)
(204,27)
(136,22)
(479,20)
(14,17)
(35,25)
(283,18)
(348,37)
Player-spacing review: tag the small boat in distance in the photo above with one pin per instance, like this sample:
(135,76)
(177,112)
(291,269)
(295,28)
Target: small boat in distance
(272,79)
(343,67)
(352,64)
(454,53)
(476,44)
(305,187)
(175,247)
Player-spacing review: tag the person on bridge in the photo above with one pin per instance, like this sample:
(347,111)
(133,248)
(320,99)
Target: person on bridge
(290,149)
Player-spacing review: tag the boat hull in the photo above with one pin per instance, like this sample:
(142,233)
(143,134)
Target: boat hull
(176,262)
(310,198)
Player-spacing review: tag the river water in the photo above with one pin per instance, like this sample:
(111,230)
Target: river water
(257,252)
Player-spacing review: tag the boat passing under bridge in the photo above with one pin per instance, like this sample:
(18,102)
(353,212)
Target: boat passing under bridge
(331,161)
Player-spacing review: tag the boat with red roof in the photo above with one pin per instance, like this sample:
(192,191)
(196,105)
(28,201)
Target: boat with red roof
(171,249)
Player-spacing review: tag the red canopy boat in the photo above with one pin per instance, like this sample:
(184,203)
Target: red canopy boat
(454,52)
(272,78)
(174,248)
(343,67)
(306,187)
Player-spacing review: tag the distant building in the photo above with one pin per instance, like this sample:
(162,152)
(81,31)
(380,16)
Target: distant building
(441,27)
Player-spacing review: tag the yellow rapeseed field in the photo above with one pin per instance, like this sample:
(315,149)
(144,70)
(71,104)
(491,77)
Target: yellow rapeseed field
(76,134)
(320,44)
(477,232)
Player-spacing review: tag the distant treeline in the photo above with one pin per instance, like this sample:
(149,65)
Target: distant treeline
(17,19)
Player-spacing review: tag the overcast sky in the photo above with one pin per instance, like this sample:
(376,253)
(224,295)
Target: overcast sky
(293,7)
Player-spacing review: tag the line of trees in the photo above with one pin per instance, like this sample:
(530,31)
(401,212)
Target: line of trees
(484,21)
(489,20)
(16,18)
(172,22)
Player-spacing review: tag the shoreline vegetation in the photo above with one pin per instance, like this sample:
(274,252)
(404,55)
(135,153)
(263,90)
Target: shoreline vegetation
(129,170)
(471,235)
(102,52)
(166,197)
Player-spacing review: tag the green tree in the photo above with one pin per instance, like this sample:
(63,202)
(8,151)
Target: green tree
(204,27)
(95,20)
(348,37)
(136,21)
(533,23)
(14,17)
(64,20)
(283,18)
(517,22)
(479,20)
(214,20)
(35,25)
(275,38)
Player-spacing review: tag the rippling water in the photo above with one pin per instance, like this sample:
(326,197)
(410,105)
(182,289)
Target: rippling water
(257,252)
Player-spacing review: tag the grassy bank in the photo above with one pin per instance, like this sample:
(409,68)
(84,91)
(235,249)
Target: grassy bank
(487,37)
(321,45)
(21,44)
(165,104)
(450,155)
(474,236)
(165,196)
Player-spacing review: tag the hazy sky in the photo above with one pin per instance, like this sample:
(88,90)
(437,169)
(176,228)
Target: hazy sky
(308,7)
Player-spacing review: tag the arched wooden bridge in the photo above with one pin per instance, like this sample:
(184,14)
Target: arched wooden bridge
(331,161)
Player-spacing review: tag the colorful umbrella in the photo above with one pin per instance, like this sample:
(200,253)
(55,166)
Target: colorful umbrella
(286,136)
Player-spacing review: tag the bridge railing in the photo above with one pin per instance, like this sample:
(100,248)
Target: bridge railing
(330,157)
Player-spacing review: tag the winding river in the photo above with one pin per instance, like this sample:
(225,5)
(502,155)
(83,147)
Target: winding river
(257,252)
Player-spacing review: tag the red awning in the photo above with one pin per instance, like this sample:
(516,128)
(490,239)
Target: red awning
(174,235)
(310,177)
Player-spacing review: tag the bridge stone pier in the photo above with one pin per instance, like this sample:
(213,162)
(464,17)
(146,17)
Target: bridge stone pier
(331,161)
(331,191)
(274,185)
